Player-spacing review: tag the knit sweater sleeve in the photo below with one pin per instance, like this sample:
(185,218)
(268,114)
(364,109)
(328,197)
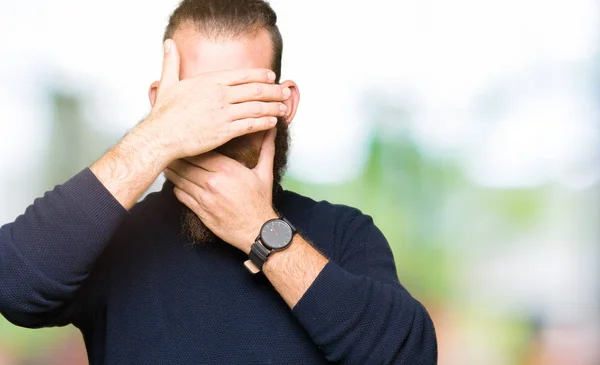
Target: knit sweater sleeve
(357,311)
(47,253)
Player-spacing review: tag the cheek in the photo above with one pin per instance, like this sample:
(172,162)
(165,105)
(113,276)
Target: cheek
(255,139)
(247,141)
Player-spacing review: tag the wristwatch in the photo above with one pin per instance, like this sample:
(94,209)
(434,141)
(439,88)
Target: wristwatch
(275,235)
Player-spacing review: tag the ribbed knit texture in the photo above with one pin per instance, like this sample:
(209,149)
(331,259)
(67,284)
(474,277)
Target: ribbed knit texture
(141,294)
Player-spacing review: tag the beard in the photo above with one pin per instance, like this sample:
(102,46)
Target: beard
(247,154)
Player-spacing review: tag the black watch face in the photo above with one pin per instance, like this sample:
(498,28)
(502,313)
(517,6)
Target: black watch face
(276,234)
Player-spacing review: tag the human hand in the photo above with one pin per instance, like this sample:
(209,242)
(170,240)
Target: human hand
(196,115)
(232,200)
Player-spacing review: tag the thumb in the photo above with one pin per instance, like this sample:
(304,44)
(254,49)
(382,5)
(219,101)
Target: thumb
(264,167)
(170,69)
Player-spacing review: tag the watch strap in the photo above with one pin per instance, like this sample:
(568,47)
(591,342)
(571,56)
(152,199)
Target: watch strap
(258,254)
(290,224)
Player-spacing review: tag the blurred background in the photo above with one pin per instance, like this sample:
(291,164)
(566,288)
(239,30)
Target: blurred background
(468,129)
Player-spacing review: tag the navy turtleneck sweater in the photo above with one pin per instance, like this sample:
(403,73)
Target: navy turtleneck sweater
(142,294)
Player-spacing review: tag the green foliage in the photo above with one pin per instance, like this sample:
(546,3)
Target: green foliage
(402,190)
(427,209)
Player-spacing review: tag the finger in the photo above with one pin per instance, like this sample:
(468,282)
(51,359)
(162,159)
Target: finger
(264,167)
(242,76)
(181,182)
(256,109)
(250,125)
(182,167)
(187,200)
(257,91)
(170,70)
(189,172)
(213,162)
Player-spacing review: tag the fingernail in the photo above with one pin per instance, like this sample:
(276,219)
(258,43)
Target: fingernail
(273,120)
(287,92)
(271,76)
(283,108)
(167,46)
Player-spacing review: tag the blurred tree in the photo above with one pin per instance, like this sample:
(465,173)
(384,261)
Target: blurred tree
(74,143)
(434,218)
(67,143)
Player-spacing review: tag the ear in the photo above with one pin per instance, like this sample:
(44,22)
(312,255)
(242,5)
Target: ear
(293,101)
(153,91)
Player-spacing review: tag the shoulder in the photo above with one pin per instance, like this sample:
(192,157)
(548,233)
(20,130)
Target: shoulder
(146,210)
(305,209)
(330,227)
(154,206)
(344,234)
(155,212)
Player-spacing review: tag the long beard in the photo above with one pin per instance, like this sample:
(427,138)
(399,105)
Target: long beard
(239,150)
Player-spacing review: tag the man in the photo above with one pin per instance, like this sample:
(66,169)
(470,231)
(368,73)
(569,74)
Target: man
(222,266)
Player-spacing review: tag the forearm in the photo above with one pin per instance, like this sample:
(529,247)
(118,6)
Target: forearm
(293,270)
(352,318)
(131,166)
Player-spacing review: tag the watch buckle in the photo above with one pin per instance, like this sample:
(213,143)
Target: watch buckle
(251,267)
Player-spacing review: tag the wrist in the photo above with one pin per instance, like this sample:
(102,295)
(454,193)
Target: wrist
(128,169)
(255,231)
(278,258)
(147,142)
